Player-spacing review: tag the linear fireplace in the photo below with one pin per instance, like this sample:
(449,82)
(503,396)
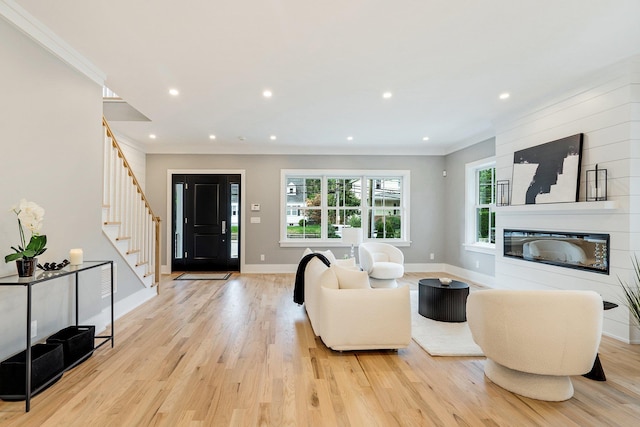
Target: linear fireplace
(583,251)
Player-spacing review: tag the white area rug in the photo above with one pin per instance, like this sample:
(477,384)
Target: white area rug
(441,338)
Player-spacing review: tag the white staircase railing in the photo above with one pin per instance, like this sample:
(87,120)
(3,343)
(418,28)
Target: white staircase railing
(128,220)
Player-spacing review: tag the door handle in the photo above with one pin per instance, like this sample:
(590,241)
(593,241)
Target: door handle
(224,227)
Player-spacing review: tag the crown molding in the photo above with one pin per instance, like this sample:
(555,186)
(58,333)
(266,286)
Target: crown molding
(42,35)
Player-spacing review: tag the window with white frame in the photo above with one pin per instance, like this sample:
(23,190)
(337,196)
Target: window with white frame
(316,206)
(480,204)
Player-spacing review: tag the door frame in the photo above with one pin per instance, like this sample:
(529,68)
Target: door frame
(168,238)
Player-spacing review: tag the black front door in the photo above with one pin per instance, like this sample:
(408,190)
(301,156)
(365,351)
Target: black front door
(205,222)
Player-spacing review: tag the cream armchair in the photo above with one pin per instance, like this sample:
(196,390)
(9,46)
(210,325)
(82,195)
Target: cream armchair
(383,262)
(348,315)
(535,339)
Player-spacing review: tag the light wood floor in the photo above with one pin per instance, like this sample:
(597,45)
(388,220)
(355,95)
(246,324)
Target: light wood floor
(240,352)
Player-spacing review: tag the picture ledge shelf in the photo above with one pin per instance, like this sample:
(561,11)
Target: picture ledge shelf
(553,208)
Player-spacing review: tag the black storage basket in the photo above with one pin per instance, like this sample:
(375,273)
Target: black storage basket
(47,363)
(77,343)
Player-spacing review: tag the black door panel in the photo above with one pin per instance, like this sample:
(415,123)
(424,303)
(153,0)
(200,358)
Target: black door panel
(201,223)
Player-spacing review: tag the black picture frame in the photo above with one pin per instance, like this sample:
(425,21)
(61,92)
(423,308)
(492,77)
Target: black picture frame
(547,173)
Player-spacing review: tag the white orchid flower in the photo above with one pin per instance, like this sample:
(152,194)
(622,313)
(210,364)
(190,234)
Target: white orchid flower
(30,215)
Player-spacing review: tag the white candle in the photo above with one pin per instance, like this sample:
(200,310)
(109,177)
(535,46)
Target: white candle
(75,256)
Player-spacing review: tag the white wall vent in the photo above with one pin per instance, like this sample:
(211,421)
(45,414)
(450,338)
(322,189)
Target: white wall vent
(105,280)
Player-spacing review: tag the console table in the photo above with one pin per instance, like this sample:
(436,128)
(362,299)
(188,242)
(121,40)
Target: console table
(45,276)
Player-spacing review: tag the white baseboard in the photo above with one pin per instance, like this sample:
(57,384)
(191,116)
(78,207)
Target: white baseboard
(479,278)
(625,340)
(409,268)
(269,268)
(424,267)
(120,308)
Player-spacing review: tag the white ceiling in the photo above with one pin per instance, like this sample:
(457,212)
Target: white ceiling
(328,63)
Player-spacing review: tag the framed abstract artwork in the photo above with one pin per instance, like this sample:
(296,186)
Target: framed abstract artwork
(547,173)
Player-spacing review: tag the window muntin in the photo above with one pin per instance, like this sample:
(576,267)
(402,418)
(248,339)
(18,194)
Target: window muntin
(385,214)
(303,210)
(343,205)
(480,188)
(485,202)
(320,209)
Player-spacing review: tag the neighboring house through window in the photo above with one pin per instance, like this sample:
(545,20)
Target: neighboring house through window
(317,205)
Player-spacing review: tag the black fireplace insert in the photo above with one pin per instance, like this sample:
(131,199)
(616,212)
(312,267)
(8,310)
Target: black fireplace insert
(582,251)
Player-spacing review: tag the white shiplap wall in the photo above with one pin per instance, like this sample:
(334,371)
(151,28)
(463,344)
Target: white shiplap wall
(607,110)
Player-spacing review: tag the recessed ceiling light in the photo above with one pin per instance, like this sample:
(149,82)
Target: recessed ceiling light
(212,136)
(152,136)
(174,92)
(387,95)
(267,94)
(349,138)
(504,95)
(272,137)
(426,138)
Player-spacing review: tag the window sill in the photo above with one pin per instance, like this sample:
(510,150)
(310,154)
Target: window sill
(484,248)
(336,243)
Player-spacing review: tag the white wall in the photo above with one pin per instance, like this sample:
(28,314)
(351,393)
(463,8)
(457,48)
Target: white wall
(263,187)
(607,110)
(136,157)
(50,153)
(455,220)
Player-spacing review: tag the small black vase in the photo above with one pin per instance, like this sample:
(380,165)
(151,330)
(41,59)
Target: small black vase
(26,266)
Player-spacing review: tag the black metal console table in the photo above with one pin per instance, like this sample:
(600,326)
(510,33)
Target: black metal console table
(45,276)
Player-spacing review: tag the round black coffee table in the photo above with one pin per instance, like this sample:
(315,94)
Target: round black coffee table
(443,303)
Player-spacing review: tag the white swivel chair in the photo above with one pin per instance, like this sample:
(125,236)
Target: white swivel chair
(535,339)
(383,262)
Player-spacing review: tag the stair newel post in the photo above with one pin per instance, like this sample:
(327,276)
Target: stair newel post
(157,253)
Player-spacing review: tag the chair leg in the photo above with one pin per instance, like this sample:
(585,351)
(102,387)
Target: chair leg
(596,373)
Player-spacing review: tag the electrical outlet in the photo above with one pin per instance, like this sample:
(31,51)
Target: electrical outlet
(34,328)
(432,256)
(477,264)
(261,257)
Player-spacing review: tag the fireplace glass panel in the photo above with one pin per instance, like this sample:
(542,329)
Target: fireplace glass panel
(583,251)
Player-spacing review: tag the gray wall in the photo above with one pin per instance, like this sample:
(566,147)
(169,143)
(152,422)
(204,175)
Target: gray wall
(454,205)
(263,186)
(51,139)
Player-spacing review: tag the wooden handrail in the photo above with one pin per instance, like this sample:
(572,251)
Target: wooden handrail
(115,144)
(138,189)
